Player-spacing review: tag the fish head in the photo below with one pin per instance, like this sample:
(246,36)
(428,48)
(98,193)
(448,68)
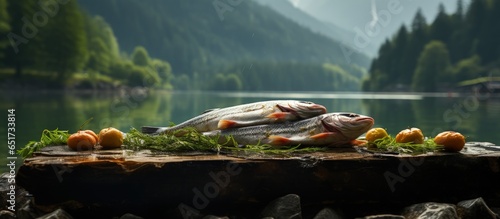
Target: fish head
(349,125)
(302,109)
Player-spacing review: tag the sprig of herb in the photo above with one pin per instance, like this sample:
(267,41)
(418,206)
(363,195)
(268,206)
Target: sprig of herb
(48,138)
(192,140)
(389,144)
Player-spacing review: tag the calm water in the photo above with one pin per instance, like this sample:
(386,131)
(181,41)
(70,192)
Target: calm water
(474,116)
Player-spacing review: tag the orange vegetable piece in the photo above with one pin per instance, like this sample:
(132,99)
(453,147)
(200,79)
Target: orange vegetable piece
(82,140)
(110,138)
(375,133)
(413,135)
(451,141)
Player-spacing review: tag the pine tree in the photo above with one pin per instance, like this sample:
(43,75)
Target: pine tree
(417,41)
(4,28)
(400,61)
(442,26)
(486,43)
(23,38)
(459,14)
(495,30)
(102,45)
(64,41)
(379,70)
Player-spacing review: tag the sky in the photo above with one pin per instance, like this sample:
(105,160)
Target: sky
(355,15)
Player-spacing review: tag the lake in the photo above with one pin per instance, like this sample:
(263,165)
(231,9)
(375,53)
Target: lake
(475,116)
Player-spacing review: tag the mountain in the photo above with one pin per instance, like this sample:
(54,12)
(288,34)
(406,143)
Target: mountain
(198,36)
(333,31)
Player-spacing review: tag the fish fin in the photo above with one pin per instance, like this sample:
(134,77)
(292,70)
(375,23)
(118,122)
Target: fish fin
(322,135)
(279,140)
(226,123)
(209,110)
(152,129)
(279,115)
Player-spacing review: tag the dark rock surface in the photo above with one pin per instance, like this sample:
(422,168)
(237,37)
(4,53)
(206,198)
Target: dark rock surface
(112,183)
(284,207)
(57,214)
(214,217)
(4,214)
(130,216)
(431,210)
(328,213)
(476,208)
(385,216)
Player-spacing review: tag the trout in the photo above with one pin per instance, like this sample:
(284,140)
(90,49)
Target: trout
(246,115)
(332,129)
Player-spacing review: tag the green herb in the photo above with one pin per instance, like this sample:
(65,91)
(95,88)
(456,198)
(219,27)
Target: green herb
(389,144)
(54,137)
(189,140)
(192,140)
(269,149)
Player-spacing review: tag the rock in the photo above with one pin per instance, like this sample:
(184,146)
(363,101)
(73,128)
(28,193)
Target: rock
(214,217)
(57,214)
(4,214)
(27,211)
(130,216)
(287,206)
(476,208)
(431,210)
(5,182)
(327,213)
(385,216)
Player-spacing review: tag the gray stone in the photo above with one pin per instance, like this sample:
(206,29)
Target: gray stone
(476,208)
(385,216)
(4,189)
(4,214)
(130,216)
(27,211)
(431,210)
(327,213)
(287,207)
(57,214)
(214,217)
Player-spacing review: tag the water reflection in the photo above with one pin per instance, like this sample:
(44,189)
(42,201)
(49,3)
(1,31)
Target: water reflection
(67,111)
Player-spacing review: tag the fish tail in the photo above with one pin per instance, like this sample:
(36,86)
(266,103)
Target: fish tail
(153,130)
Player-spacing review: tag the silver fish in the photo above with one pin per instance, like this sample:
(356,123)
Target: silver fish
(246,115)
(332,129)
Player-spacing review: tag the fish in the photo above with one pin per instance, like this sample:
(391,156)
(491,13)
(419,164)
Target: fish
(264,112)
(331,129)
